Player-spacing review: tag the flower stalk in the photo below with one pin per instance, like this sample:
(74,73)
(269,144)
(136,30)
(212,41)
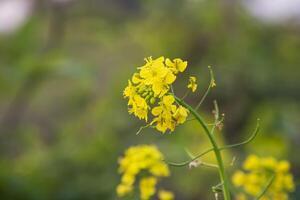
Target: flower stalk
(216,149)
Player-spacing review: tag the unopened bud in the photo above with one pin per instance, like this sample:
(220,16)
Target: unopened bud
(148,97)
(144,94)
(152,100)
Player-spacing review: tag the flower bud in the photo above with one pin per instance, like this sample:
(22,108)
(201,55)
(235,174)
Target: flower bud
(152,100)
(145,94)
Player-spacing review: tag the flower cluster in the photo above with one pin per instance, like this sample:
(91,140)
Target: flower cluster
(145,162)
(192,83)
(149,90)
(259,172)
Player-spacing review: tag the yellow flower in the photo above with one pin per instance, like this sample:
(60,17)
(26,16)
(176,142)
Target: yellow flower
(165,195)
(192,83)
(147,187)
(129,92)
(180,115)
(139,107)
(163,114)
(150,84)
(143,160)
(259,173)
(156,74)
(177,65)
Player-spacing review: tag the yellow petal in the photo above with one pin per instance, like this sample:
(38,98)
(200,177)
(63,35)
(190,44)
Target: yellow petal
(169,63)
(170,78)
(168,100)
(156,111)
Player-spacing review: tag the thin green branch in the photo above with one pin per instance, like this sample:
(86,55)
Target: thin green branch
(211,84)
(143,127)
(266,188)
(181,164)
(205,164)
(254,134)
(203,97)
(185,95)
(184,163)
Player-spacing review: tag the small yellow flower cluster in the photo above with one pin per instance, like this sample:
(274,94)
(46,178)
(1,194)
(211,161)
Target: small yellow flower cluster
(146,161)
(258,173)
(192,83)
(148,90)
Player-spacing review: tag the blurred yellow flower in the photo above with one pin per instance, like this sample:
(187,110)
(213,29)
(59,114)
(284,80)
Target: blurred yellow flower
(147,187)
(258,173)
(146,162)
(192,83)
(238,178)
(251,163)
(165,195)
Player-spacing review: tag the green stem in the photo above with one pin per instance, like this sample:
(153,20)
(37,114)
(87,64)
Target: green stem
(216,149)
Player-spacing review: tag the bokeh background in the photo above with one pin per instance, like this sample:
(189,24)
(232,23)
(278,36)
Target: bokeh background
(64,64)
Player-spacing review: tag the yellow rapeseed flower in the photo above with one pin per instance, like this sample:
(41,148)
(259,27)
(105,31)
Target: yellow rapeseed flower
(163,114)
(139,107)
(180,115)
(167,115)
(177,65)
(149,89)
(192,83)
(157,75)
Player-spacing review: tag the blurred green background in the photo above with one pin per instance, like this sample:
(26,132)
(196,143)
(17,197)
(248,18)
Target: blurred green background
(64,122)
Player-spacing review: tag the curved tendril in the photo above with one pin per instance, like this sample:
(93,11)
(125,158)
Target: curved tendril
(211,83)
(266,187)
(181,164)
(254,134)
